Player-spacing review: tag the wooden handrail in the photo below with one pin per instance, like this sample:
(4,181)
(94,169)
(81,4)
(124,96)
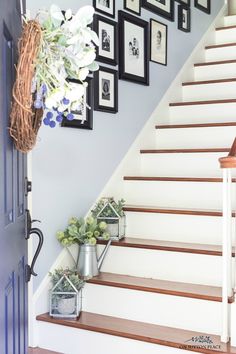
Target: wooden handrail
(230,160)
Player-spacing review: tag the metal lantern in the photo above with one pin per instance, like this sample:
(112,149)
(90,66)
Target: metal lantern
(65,304)
(116,224)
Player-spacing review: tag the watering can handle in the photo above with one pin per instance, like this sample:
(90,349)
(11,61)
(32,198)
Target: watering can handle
(104,252)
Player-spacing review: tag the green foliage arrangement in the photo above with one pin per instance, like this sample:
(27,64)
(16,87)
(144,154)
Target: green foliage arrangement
(83,231)
(64,285)
(107,212)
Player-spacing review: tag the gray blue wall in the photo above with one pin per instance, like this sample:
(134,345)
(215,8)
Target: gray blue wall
(70,166)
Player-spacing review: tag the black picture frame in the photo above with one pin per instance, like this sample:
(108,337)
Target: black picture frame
(184,18)
(166,10)
(207,9)
(184,2)
(126,7)
(101,77)
(100,6)
(134,54)
(80,123)
(160,30)
(107,51)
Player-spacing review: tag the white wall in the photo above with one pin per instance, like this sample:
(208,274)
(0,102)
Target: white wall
(69,166)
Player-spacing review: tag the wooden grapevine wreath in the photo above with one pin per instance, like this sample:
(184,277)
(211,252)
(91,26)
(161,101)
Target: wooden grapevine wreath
(25,120)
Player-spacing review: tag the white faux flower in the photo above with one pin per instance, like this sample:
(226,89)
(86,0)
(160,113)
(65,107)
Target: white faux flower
(74,92)
(54,98)
(83,73)
(68,14)
(85,13)
(87,59)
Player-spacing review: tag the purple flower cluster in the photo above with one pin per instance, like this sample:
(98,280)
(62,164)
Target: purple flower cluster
(58,112)
(38,103)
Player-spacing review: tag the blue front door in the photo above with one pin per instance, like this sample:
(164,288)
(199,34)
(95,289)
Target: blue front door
(13,246)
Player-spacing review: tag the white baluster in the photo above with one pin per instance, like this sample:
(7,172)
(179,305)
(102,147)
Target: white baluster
(227,253)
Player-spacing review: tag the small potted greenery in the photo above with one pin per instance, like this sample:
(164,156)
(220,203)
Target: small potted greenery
(65,295)
(85,233)
(109,211)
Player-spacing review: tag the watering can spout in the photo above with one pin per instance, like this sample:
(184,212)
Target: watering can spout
(104,252)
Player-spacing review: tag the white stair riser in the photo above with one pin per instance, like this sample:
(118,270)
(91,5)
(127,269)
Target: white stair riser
(191,138)
(230,20)
(214,72)
(183,165)
(174,194)
(225,36)
(221,53)
(203,113)
(165,265)
(180,312)
(175,227)
(69,340)
(216,91)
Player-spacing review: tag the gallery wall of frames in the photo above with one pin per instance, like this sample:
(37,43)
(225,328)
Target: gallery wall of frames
(127,46)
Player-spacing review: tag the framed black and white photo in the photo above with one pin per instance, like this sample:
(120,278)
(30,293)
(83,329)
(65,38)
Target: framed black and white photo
(203,5)
(106,7)
(106,90)
(83,117)
(164,8)
(106,30)
(133,6)
(184,18)
(184,2)
(133,48)
(158,42)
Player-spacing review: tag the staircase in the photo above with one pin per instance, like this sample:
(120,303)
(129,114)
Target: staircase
(160,289)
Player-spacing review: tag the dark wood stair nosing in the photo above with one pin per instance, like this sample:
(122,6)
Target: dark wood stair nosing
(159,210)
(184,151)
(225,28)
(168,246)
(141,331)
(206,82)
(219,62)
(200,103)
(176,179)
(198,125)
(224,45)
(164,287)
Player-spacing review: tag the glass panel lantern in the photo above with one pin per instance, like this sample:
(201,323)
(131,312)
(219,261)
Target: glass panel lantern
(65,304)
(116,224)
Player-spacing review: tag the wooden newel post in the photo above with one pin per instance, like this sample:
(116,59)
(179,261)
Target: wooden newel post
(232,7)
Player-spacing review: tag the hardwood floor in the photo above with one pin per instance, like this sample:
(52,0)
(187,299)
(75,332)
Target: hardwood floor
(41,351)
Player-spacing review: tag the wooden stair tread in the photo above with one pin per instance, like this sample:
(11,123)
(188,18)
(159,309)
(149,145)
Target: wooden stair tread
(213,46)
(161,210)
(40,351)
(195,291)
(220,62)
(195,103)
(183,151)
(175,179)
(225,28)
(206,82)
(170,246)
(146,332)
(198,125)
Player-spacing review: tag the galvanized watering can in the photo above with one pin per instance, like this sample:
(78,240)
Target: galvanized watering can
(89,264)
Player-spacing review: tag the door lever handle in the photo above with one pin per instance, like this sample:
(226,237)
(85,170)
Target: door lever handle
(30,268)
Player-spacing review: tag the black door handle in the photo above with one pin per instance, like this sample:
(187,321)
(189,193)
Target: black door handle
(30,268)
